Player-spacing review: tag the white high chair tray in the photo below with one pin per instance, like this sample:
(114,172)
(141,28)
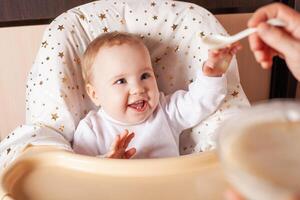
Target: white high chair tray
(46,174)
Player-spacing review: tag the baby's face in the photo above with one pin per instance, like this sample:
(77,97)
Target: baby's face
(124,83)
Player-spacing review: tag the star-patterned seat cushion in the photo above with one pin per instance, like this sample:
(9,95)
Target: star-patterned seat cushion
(56,99)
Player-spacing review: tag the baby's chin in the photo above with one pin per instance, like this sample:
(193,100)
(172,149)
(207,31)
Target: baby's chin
(135,120)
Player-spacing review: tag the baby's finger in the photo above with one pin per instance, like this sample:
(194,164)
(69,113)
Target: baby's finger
(115,144)
(128,139)
(122,139)
(110,154)
(213,53)
(208,71)
(235,49)
(236,45)
(129,153)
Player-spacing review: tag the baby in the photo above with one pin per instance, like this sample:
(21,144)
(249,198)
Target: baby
(119,78)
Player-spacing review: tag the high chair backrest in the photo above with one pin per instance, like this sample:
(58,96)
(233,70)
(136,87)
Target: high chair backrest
(55,95)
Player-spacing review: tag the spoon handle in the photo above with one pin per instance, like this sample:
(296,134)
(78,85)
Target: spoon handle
(249,31)
(242,34)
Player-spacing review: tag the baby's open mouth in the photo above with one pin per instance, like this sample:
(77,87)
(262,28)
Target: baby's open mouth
(139,106)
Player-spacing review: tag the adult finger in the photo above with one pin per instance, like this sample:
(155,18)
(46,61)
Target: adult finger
(275,10)
(262,52)
(277,38)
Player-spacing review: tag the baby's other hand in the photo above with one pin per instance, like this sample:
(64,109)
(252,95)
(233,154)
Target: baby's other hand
(218,60)
(119,146)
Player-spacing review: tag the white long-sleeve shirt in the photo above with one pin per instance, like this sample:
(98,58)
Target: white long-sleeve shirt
(157,136)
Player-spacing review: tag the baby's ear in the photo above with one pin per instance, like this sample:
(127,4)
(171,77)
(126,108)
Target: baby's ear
(92,94)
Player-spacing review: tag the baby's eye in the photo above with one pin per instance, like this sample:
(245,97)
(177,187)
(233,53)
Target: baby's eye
(121,81)
(145,75)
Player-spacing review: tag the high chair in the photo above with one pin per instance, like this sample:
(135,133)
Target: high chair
(36,158)
(46,174)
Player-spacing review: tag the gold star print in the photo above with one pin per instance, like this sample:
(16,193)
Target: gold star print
(122,21)
(8,150)
(82,16)
(176,49)
(61,54)
(72,31)
(105,29)
(102,16)
(234,93)
(157,59)
(45,44)
(174,26)
(191,7)
(61,128)
(54,116)
(64,79)
(77,60)
(60,27)
(202,34)
(155,17)
(153,4)
(173,5)
(185,27)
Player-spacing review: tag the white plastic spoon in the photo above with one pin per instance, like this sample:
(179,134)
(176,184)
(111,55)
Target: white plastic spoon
(220,41)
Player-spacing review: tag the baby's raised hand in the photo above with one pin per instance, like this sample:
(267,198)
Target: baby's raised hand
(218,60)
(119,146)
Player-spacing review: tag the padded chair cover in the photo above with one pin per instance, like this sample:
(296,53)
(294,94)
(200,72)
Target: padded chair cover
(56,99)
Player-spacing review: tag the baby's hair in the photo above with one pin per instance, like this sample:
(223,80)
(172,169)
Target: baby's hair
(104,40)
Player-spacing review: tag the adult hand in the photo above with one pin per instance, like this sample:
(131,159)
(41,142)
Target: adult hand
(270,41)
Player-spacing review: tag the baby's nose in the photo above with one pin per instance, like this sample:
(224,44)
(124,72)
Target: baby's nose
(137,89)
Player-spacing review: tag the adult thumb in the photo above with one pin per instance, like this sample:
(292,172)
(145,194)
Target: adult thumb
(276,38)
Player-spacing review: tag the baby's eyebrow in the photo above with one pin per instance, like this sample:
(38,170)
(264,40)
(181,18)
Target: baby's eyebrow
(148,69)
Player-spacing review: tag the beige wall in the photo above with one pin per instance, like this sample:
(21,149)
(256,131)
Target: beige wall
(19,46)
(254,80)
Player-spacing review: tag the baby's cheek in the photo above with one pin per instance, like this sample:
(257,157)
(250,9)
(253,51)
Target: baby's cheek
(155,99)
